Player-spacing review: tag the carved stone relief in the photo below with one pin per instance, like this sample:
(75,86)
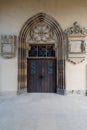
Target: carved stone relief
(76,29)
(8,46)
(40,33)
(76,46)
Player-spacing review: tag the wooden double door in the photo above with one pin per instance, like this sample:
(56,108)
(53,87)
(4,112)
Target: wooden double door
(41,75)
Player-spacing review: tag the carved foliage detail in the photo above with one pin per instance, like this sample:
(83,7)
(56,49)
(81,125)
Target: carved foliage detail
(76,29)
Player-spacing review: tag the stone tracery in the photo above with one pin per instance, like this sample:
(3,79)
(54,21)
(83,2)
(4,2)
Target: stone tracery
(41,33)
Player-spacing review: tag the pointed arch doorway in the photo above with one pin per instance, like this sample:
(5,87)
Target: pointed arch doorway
(41,56)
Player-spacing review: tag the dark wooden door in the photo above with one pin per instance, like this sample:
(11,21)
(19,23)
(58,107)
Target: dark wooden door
(41,75)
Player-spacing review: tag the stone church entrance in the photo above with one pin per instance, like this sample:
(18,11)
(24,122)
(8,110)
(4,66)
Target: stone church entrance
(41,56)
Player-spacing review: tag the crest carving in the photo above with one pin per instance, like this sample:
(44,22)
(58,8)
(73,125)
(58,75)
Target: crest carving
(76,29)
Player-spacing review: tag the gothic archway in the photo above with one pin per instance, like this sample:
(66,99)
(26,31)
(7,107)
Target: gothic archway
(24,37)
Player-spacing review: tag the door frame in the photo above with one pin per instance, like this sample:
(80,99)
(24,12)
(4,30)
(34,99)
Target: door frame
(60,48)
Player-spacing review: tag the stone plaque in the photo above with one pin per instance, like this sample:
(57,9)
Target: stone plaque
(8,46)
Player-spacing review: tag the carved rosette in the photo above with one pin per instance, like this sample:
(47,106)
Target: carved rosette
(40,33)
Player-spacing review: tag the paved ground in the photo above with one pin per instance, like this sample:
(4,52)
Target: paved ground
(43,112)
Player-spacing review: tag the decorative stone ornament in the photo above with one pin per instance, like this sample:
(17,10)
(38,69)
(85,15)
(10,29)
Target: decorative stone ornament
(76,46)
(76,29)
(41,33)
(8,46)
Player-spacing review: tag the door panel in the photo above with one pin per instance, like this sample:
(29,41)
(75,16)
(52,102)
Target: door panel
(41,75)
